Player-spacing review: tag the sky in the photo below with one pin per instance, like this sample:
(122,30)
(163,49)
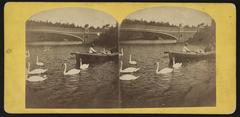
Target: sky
(173,15)
(78,16)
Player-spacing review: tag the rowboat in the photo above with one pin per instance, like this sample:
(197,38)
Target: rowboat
(94,58)
(189,56)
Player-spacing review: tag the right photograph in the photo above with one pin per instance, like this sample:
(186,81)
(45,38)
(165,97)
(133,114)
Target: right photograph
(167,58)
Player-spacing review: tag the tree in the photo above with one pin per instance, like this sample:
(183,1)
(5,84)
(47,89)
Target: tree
(86,25)
(108,37)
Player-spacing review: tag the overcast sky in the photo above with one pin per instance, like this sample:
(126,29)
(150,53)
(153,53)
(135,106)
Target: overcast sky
(78,16)
(173,15)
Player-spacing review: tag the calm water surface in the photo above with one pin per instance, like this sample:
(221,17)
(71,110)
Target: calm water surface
(93,88)
(191,85)
(100,87)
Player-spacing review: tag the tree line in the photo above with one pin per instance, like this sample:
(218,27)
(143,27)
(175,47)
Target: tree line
(156,23)
(63,25)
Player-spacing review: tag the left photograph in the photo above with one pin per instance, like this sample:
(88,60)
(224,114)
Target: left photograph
(72,59)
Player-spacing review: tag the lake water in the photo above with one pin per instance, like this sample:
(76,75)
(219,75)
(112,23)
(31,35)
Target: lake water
(191,85)
(100,87)
(93,88)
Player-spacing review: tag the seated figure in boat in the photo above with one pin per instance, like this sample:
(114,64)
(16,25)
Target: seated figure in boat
(185,48)
(91,49)
(105,51)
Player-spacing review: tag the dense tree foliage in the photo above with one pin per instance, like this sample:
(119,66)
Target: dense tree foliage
(32,23)
(205,35)
(144,22)
(152,23)
(108,38)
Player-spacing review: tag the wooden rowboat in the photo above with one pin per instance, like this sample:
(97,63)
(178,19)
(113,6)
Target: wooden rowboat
(190,56)
(94,58)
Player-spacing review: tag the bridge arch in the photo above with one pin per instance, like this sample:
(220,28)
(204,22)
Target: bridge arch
(183,25)
(77,22)
(57,32)
(150,31)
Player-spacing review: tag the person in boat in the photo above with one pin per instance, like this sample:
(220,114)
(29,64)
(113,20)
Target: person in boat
(105,51)
(91,49)
(185,48)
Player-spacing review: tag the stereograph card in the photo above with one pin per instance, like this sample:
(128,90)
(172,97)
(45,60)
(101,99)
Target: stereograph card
(158,58)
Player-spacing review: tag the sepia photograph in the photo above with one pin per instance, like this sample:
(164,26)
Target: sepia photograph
(72,59)
(167,58)
(119,58)
(158,57)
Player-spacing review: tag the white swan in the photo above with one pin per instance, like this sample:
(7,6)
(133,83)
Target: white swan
(121,54)
(39,63)
(37,78)
(130,60)
(27,54)
(83,66)
(127,70)
(176,65)
(70,72)
(128,77)
(164,70)
(35,71)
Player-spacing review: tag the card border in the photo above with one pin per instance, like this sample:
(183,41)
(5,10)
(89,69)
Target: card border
(7,45)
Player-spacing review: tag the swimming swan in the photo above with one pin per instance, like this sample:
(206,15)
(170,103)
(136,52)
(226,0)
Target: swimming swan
(70,72)
(83,66)
(130,60)
(164,70)
(37,78)
(35,71)
(176,65)
(39,63)
(127,70)
(128,77)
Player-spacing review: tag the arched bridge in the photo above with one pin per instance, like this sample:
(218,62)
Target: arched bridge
(173,33)
(61,31)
